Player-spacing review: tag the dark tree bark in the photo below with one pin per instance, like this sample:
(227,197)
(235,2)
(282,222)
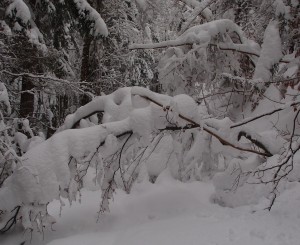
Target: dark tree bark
(85,64)
(27,98)
(85,58)
(86,55)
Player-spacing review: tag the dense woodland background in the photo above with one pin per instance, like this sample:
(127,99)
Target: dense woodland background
(120,91)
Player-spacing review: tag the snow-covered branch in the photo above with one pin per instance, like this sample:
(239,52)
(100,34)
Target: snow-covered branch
(241,48)
(116,106)
(204,35)
(201,34)
(145,94)
(45,173)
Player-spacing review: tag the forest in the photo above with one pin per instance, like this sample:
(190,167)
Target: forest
(149,122)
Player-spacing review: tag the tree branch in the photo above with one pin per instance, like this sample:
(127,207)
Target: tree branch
(251,119)
(55,79)
(211,132)
(241,48)
(13,220)
(254,141)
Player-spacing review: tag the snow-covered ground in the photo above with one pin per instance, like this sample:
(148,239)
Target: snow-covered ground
(171,212)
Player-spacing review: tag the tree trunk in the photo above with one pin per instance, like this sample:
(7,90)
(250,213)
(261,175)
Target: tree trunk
(27,98)
(85,65)
(86,55)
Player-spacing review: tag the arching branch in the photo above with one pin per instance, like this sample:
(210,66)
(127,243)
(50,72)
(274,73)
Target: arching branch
(212,132)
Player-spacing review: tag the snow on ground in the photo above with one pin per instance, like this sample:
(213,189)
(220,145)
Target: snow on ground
(171,212)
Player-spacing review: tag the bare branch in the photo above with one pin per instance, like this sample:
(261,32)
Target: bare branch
(12,221)
(43,77)
(251,119)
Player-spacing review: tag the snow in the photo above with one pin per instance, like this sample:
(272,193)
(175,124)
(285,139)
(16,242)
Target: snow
(282,9)
(26,127)
(36,37)
(184,105)
(273,141)
(295,3)
(6,29)
(20,13)
(167,212)
(21,140)
(4,98)
(26,144)
(99,27)
(171,212)
(142,161)
(142,123)
(45,171)
(216,27)
(142,4)
(282,120)
(50,161)
(159,159)
(19,10)
(116,107)
(206,12)
(270,54)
